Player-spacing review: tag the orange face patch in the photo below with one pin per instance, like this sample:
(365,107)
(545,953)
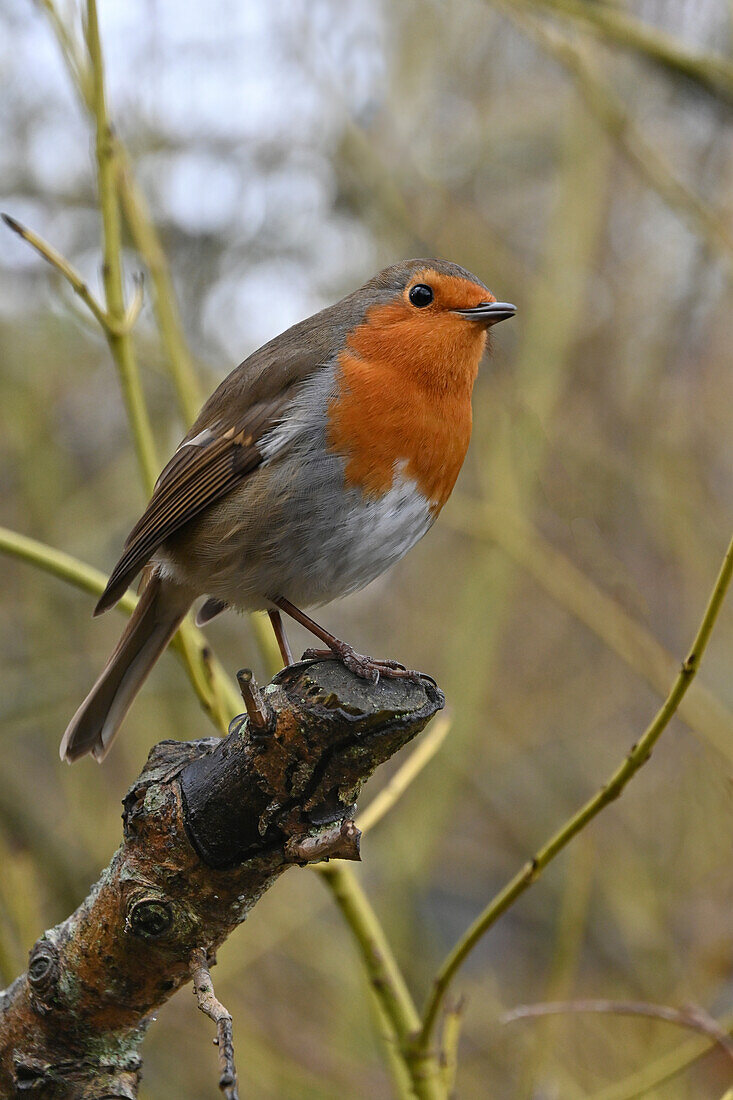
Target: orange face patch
(405,383)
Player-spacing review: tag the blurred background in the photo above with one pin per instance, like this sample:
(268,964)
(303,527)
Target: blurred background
(288,151)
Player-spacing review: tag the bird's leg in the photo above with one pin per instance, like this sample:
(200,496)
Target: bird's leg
(281,637)
(367,667)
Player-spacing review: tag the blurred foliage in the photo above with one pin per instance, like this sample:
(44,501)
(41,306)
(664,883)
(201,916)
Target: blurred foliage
(286,153)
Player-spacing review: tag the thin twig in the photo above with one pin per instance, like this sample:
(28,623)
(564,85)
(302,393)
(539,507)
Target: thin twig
(142,230)
(575,592)
(119,340)
(60,564)
(69,273)
(392,791)
(75,62)
(645,1081)
(385,977)
(449,1046)
(712,72)
(607,109)
(88,579)
(636,758)
(400,1074)
(136,304)
(165,305)
(257,712)
(691,1017)
(203,987)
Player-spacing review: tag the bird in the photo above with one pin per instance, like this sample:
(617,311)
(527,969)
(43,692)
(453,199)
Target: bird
(315,465)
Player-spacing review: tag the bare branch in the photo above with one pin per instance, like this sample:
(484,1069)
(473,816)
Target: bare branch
(257,712)
(203,987)
(64,268)
(208,827)
(636,758)
(711,72)
(691,1016)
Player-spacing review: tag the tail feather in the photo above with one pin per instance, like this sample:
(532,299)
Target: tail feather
(153,623)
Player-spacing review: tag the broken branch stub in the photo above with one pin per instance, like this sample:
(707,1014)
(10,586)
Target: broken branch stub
(208,827)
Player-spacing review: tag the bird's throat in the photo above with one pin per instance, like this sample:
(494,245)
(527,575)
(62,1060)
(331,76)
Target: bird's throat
(404,401)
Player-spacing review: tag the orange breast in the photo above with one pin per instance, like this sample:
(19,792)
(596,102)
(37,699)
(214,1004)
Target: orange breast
(404,400)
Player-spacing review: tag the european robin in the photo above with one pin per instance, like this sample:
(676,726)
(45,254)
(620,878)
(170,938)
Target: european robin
(314,466)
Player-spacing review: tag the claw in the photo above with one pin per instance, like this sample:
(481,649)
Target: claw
(367,668)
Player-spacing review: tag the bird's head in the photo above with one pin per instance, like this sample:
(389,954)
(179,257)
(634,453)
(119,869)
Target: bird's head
(429,318)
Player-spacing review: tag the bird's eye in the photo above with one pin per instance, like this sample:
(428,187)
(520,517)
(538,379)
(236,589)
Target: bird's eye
(421,295)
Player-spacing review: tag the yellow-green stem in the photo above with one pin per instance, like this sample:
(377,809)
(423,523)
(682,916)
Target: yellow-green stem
(94,581)
(148,245)
(636,758)
(640,1084)
(385,977)
(565,583)
(120,342)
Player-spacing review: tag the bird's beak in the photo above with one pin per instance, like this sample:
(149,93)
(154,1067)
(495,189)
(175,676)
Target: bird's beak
(488,313)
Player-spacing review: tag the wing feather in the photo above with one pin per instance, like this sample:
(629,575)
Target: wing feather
(208,464)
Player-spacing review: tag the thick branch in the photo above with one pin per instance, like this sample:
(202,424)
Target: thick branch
(208,827)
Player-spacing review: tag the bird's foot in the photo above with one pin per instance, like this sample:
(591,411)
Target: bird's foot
(368,668)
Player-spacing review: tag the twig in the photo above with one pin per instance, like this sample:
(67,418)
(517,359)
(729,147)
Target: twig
(691,1017)
(69,273)
(144,234)
(382,969)
(393,790)
(165,306)
(643,1082)
(607,109)
(77,283)
(449,1047)
(400,1073)
(88,579)
(119,340)
(636,758)
(60,564)
(203,987)
(75,62)
(136,304)
(712,72)
(385,977)
(257,712)
(575,592)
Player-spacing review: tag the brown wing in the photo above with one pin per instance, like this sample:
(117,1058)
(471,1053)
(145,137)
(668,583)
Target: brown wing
(221,447)
(207,465)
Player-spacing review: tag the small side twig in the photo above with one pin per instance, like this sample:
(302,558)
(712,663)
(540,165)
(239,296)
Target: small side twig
(136,304)
(257,712)
(64,268)
(341,841)
(691,1016)
(203,987)
(452,1022)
